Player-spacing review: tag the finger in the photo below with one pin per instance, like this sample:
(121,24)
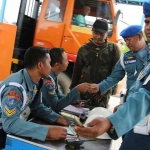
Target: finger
(63,137)
(64,130)
(93,122)
(94,91)
(88,84)
(81,131)
(64,134)
(94,86)
(114,110)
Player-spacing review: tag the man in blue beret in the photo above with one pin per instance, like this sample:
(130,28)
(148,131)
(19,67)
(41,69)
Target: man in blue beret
(130,63)
(137,106)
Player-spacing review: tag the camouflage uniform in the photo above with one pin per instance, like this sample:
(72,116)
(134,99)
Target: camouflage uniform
(94,64)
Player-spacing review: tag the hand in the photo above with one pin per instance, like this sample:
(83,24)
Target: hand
(61,120)
(83,87)
(94,88)
(115,109)
(57,133)
(95,128)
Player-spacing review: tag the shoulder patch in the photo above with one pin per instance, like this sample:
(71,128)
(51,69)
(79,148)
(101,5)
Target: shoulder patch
(50,85)
(13,98)
(9,112)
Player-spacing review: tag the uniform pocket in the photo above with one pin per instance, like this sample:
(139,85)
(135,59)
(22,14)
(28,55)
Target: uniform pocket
(130,67)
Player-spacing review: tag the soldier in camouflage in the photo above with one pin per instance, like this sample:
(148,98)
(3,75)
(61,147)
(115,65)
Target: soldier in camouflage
(95,61)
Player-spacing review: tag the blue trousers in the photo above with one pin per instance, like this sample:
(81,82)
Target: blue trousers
(2,138)
(133,141)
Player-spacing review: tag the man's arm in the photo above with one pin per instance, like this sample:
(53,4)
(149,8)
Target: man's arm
(135,109)
(77,69)
(46,113)
(116,76)
(60,95)
(71,97)
(51,99)
(12,100)
(41,111)
(129,114)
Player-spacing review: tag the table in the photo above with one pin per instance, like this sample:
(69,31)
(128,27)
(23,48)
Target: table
(22,143)
(18,143)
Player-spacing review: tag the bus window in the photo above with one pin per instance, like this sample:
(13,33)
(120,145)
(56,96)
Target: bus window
(104,11)
(56,10)
(99,10)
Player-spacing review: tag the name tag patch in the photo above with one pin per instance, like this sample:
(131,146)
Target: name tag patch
(129,61)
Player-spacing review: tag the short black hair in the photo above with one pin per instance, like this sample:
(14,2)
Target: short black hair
(34,55)
(56,55)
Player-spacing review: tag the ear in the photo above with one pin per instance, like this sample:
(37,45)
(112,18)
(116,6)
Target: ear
(40,65)
(57,64)
(140,36)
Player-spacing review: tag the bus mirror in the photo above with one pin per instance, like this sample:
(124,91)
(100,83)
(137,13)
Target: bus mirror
(117,16)
(109,34)
(121,41)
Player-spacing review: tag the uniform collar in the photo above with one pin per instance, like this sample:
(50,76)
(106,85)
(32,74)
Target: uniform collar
(53,75)
(29,82)
(143,52)
(100,47)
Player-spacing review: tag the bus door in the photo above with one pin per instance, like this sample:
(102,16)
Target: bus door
(50,25)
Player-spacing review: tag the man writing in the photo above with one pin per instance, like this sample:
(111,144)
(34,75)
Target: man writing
(50,93)
(19,91)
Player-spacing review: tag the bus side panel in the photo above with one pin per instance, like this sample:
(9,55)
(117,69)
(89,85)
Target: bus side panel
(7,39)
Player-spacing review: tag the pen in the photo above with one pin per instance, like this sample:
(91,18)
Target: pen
(74,133)
(70,134)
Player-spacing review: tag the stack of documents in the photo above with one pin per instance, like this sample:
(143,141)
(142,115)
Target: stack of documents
(76,110)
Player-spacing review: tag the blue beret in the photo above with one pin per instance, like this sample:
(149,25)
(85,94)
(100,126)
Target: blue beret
(131,31)
(146,9)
